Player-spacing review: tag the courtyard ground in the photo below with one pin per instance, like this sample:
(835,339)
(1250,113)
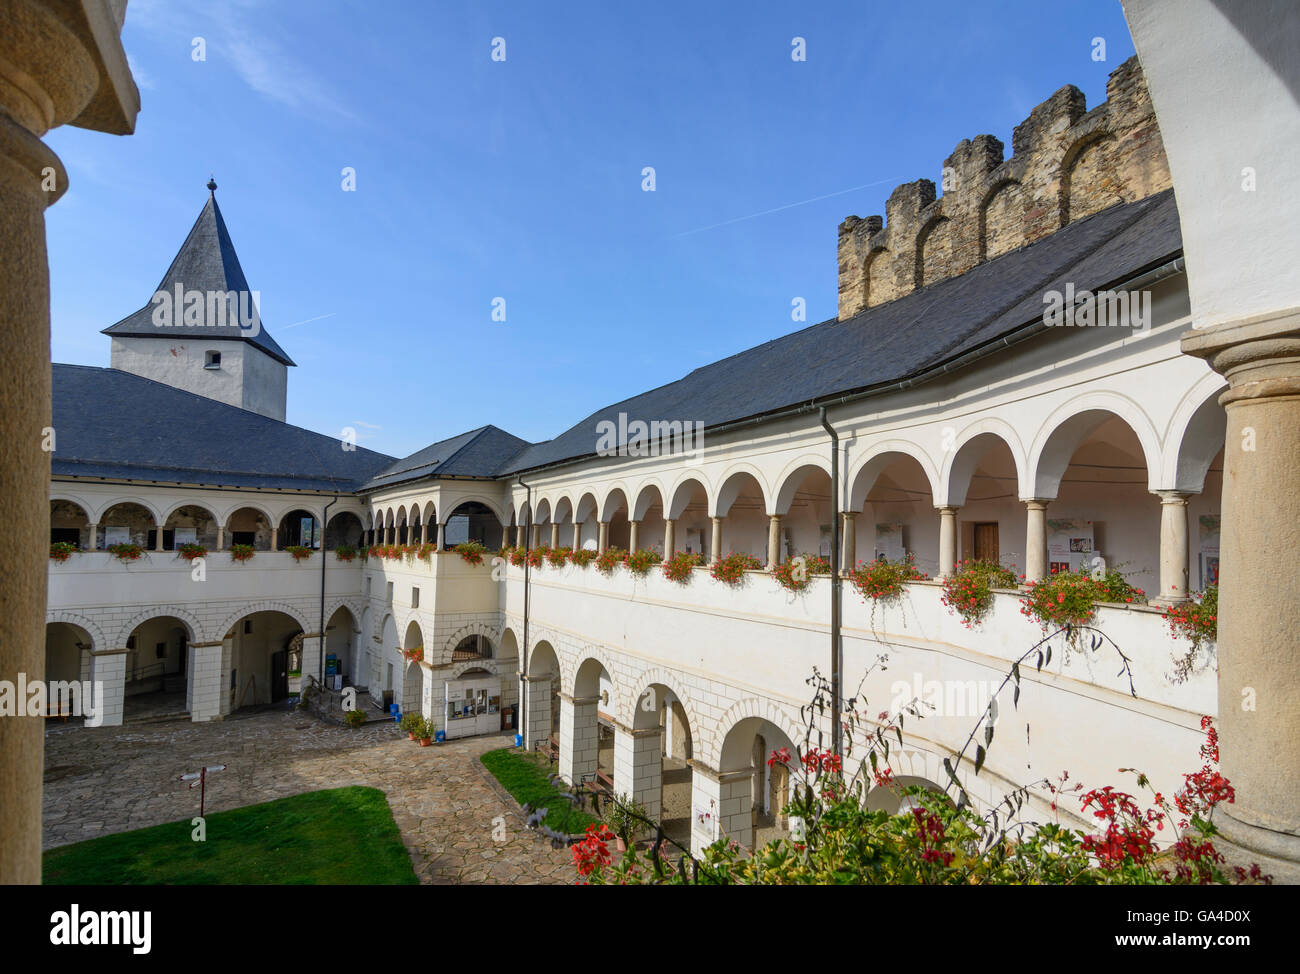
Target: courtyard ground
(101,780)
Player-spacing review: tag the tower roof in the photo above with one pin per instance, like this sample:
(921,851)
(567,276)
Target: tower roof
(207,263)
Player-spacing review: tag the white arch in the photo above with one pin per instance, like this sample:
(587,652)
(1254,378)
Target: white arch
(775,714)
(678,498)
(792,477)
(1195,435)
(594,653)
(662,677)
(169,511)
(190,621)
(67,498)
(728,490)
(492,505)
(1050,454)
(234,508)
(646,500)
(863,473)
(139,501)
(959,464)
(606,510)
(491,633)
(97,638)
(267,606)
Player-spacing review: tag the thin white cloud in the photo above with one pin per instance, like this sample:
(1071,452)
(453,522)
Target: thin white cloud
(143,79)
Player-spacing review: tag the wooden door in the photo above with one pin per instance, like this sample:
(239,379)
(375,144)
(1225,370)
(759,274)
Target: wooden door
(986,541)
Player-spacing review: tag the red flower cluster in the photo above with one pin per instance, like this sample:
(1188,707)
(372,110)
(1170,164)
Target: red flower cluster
(1129,831)
(931,832)
(781,757)
(592,852)
(732,568)
(824,761)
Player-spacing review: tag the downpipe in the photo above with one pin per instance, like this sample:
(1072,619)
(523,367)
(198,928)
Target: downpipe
(837,738)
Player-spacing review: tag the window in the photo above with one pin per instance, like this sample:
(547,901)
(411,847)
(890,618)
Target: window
(415,598)
(212,360)
(390,591)
(248,627)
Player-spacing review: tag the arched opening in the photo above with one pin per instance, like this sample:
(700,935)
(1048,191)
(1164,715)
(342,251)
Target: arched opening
(411,691)
(69,524)
(893,502)
(563,517)
(299,527)
(403,530)
(615,512)
(157,669)
(984,486)
(364,660)
(754,804)
(1102,513)
(890,798)
(340,642)
(67,660)
(659,708)
(543,713)
(472,521)
(389,659)
(265,647)
(126,523)
(689,511)
(472,647)
(430,523)
(249,526)
(804,503)
(344,528)
(190,524)
(590,756)
(585,514)
(648,513)
(741,502)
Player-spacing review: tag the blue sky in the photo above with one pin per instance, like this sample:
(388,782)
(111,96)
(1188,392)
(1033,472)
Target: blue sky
(522,179)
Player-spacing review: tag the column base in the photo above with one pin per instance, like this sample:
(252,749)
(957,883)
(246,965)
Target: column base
(1278,853)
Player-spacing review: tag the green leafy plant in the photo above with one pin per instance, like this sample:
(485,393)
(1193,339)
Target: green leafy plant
(1070,598)
(345,552)
(516,557)
(883,580)
(626,817)
(535,557)
(1197,622)
(794,574)
(582,557)
(968,591)
(62,550)
(640,562)
(471,552)
(300,552)
(125,551)
(610,559)
(732,568)
(190,551)
(410,723)
(354,718)
(556,557)
(680,566)
(423,730)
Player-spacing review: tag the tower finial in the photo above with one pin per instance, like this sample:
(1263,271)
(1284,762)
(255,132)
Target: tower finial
(212,185)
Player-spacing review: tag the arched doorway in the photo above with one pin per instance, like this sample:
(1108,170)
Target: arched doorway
(759,815)
(340,638)
(157,669)
(659,709)
(262,644)
(67,660)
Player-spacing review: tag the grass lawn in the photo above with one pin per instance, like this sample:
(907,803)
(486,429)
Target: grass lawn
(342,835)
(524,776)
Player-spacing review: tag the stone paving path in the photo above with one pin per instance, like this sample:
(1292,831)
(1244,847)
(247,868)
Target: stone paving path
(100,780)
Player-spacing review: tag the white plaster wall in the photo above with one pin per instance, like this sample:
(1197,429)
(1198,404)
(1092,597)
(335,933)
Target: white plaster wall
(248,377)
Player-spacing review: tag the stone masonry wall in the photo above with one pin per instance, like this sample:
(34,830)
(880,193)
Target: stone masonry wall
(1067,163)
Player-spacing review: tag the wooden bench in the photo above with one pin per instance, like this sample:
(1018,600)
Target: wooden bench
(550,749)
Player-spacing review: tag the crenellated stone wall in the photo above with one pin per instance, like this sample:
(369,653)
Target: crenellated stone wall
(1067,163)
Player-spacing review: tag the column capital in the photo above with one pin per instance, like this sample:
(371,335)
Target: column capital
(1259,355)
(1174,496)
(947,508)
(1037,503)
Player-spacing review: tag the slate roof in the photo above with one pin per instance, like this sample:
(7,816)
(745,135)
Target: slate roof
(479,453)
(900,339)
(206,262)
(110,423)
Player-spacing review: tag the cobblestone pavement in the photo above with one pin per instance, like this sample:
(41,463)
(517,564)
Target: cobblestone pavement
(100,780)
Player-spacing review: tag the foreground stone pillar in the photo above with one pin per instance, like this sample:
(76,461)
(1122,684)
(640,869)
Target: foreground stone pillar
(442,536)
(947,541)
(849,547)
(1259,587)
(670,539)
(577,535)
(209,673)
(275,539)
(537,706)
(60,63)
(108,670)
(1035,540)
(158,537)
(1173,548)
(602,541)
(579,742)
(716,541)
(632,534)
(221,537)
(92,537)
(555,534)
(638,767)
(773,541)
(519,535)
(424,532)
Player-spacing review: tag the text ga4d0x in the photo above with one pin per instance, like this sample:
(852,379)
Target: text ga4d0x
(1223,916)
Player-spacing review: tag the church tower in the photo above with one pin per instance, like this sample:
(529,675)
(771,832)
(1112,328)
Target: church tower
(201,330)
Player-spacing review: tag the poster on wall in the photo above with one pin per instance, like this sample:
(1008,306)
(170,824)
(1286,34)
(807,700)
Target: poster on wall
(1209,554)
(185,536)
(824,541)
(1069,543)
(889,542)
(116,534)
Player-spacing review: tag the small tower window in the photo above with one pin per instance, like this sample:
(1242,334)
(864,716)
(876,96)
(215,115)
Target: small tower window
(212,360)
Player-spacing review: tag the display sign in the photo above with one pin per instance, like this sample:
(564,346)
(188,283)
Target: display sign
(1209,553)
(116,534)
(889,542)
(1069,543)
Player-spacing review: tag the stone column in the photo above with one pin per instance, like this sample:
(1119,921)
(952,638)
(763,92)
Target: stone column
(1173,548)
(208,680)
(947,541)
(670,540)
(536,535)
(849,549)
(577,535)
(108,676)
(715,550)
(579,742)
(424,532)
(555,534)
(158,537)
(602,541)
(632,533)
(519,535)
(1035,539)
(442,536)
(638,767)
(311,656)
(1259,587)
(727,801)
(275,539)
(221,537)
(92,536)
(537,707)
(773,541)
